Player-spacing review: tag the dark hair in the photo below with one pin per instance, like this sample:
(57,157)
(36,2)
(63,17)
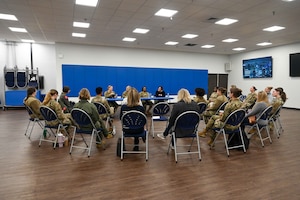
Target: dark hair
(200,92)
(282,93)
(66,89)
(99,90)
(222,90)
(236,92)
(254,88)
(30,91)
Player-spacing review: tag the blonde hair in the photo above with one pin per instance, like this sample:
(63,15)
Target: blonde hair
(184,95)
(262,97)
(49,95)
(133,97)
(84,94)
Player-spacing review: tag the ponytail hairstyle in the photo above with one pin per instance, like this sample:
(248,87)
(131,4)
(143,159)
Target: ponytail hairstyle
(30,91)
(49,95)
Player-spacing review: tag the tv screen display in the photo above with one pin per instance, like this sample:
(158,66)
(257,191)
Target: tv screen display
(295,65)
(258,67)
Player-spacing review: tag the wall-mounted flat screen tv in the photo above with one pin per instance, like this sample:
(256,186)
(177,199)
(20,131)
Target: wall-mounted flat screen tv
(295,65)
(258,67)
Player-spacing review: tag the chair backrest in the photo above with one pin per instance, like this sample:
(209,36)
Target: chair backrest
(133,120)
(186,123)
(235,118)
(81,117)
(161,108)
(221,107)
(275,115)
(30,111)
(100,108)
(202,107)
(48,114)
(265,114)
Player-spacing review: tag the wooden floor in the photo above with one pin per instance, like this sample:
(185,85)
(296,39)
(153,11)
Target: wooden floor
(31,172)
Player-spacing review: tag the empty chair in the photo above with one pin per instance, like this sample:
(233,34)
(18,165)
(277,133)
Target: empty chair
(231,126)
(133,125)
(185,126)
(275,120)
(83,119)
(33,119)
(22,79)
(160,113)
(10,79)
(265,115)
(49,115)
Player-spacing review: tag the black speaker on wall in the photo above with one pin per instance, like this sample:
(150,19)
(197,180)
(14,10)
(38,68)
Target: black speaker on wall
(295,65)
(41,82)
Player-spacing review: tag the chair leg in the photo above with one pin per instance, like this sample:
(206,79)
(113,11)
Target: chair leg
(198,146)
(225,140)
(73,139)
(122,146)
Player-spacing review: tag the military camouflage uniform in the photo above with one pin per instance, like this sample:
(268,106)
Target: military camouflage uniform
(35,105)
(211,110)
(64,118)
(249,101)
(100,99)
(111,94)
(65,103)
(146,102)
(198,99)
(276,103)
(213,97)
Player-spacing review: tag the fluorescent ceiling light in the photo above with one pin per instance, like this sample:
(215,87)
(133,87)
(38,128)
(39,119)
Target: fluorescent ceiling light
(172,43)
(239,49)
(82,35)
(81,24)
(140,30)
(226,21)
(166,12)
(288,0)
(230,40)
(264,44)
(15,29)
(207,46)
(129,39)
(8,17)
(91,3)
(190,36)
(274,28)
(29,41)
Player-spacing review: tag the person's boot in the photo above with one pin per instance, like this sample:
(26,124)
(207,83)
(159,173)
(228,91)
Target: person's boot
(202,133)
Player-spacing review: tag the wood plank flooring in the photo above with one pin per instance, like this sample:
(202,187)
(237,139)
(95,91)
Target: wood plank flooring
(31,172)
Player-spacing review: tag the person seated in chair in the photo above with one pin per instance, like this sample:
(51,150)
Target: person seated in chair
(217,121)
(64,100)
(32,102)
(111,94)
(125,93)
(146,103)
(91,110)
(133,103)
(183,104)
(200,92)
(160,93)
(250,99)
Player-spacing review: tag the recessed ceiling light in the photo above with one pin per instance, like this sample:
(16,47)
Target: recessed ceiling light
(171,43)
(129,39)
(207,46)
(190,36)
(15,29)
(274,28)
(82,35)
(166,12)
(230,40)
(226,21)
(91,3)
(81,24)
(8,17)
(28,41)
(264,44)
(140,30)
(239,49)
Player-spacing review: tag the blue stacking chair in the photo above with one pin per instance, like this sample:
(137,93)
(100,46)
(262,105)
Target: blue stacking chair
(102,110)
(234,119)
(82,119)
(275,119)
(49,116)
(10,79)
(185,126)
(22,79)
(131,121)
(32,121)
(160,113)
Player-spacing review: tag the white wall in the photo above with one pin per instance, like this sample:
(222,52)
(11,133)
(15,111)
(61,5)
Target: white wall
(280,77)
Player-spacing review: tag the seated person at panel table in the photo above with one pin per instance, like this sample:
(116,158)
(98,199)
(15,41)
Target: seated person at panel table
(213,106)
(133,103)
(125,93)
(279,99)
(213,96)
(160,93)
(217,121)
(64,100)
(51,102)
(250,99)
(100,99)
(91,110)
(269,94)
(183,104)
(146,103)
(260,105)
(32,102)
(111,94)
(200,92)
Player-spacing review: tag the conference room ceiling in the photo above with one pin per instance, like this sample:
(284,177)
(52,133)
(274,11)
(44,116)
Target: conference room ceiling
(51,21)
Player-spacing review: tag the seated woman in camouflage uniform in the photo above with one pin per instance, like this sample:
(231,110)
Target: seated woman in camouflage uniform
(217,121)
(200,92)
(32,102)
(250,99)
